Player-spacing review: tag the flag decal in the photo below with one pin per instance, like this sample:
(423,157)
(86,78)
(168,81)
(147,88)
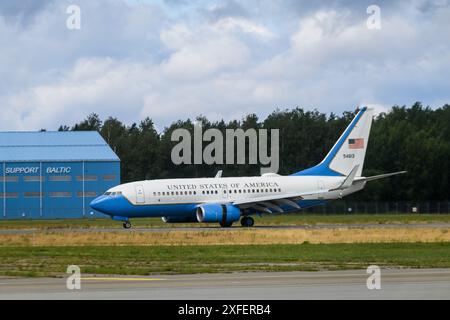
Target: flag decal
(356,143)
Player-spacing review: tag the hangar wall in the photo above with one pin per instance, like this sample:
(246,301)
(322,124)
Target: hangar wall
(48,175)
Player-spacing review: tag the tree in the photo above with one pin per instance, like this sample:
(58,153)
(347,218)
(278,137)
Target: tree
(416,139)
(91,123)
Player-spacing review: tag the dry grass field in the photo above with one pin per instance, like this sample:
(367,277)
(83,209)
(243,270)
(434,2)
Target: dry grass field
(227,237)
(304,219)
(324,242)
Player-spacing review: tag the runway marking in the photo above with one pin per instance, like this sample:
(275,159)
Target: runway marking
(122,279)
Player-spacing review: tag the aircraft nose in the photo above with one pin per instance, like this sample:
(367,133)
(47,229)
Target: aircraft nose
(99,204)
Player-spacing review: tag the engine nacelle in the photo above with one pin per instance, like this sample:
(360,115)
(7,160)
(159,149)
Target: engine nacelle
(214,212)
(179,219)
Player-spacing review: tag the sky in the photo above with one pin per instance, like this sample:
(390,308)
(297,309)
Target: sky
(177,59)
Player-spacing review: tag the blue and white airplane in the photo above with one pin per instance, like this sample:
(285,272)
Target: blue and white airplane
(227,200)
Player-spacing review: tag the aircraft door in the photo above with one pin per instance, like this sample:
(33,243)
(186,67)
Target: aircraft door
(140,195)
(321,187)
(225,191)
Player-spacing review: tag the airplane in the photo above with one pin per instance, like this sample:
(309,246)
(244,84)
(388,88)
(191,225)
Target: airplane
(226,200)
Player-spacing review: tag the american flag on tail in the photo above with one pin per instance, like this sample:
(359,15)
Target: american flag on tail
(356,143)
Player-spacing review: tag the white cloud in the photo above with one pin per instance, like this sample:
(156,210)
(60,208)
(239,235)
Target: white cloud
(204,58)
(244,25)
(133,61)
(177,36)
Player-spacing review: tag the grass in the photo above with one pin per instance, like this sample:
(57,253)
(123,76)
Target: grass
(274,220)
(146,260)
(237,236)
(58,243)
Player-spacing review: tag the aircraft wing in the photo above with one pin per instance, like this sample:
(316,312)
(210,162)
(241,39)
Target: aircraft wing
(271,204)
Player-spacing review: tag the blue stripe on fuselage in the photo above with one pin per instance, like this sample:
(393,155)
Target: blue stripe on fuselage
(119,208)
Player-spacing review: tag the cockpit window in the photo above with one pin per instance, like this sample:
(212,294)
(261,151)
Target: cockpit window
(116,193)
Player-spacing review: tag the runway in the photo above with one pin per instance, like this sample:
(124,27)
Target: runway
(219,229)
(395,284)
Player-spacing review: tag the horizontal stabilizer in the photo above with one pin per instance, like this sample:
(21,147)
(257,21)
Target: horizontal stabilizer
(381,176)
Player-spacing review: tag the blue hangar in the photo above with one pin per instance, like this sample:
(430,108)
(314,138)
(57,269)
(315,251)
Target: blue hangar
(48,175)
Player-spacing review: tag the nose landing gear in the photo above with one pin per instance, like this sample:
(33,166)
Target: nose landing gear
(247,222)
(127,225)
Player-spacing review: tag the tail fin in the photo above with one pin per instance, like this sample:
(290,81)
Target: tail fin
(348,152)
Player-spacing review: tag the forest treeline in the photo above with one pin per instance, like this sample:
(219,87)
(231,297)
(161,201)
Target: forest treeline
(416,139)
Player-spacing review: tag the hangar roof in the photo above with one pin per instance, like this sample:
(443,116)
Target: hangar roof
(54,146)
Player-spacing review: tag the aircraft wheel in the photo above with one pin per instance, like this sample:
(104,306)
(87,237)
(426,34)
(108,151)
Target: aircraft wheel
(127,225)
(247,222)
(226,225)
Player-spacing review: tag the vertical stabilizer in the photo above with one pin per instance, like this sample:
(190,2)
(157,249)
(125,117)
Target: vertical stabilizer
(349,150)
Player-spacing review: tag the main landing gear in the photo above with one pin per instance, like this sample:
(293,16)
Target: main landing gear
(127,225)
(226,224)
(247,222)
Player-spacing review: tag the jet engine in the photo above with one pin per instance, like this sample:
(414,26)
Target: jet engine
(225,214)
